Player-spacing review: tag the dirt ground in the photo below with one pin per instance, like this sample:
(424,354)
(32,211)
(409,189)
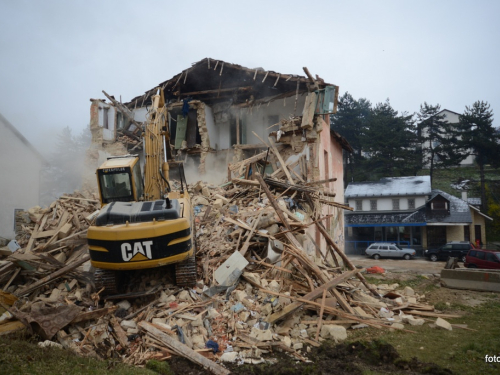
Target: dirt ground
(357,358)
(418,265)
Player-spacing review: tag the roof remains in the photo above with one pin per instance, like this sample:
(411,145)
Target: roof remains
(212,80)
(390,186)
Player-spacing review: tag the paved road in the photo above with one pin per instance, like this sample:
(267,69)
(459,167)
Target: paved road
(417,265)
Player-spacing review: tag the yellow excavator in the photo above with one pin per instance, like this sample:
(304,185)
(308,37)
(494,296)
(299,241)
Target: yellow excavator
(143,223)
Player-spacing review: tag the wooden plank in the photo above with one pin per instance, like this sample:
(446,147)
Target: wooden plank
(309,110)
(184,350)
(31,242)
(245,246)
(320,318)
(46,233)
(241,181)
(253,159)
(434,315)
(80,199)
(346,260)
(280,159)
(312,295)
(10,327)
(120,333)
(12,278)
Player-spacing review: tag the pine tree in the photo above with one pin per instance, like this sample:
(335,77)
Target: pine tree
(390,142)
(351,121)
(438,139)
(481,138)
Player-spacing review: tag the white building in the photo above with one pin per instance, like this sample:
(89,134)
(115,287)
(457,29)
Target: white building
(452,118)
(20,167)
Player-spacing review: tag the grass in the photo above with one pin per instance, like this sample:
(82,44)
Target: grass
(461,351)
(20,355)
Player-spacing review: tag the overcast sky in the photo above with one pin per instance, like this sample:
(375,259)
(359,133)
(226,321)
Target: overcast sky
(56,55)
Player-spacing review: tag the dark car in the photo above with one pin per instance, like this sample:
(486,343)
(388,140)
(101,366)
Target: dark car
(487,259)
(456,249)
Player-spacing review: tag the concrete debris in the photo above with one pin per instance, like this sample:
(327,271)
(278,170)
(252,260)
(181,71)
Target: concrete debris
(337,333)
(244,301)
(441,323)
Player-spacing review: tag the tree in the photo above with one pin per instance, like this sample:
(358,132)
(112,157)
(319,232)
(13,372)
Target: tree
(479,136)
(438,139)
(390,142)
(351,121)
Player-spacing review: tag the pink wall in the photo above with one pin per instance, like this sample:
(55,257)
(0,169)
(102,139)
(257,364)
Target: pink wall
(329,167)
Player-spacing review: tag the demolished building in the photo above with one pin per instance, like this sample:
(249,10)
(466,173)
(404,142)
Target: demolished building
(222,113)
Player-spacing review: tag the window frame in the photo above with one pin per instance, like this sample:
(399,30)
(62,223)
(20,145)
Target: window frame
(395,204)
(411,203)
(359,204)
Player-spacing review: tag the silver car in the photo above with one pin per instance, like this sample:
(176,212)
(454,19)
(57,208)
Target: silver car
(388,250)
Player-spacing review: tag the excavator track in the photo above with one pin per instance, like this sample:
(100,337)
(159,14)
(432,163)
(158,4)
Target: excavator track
(107,279)
(185,272)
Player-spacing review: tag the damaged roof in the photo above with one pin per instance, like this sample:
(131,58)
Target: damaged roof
(212,80)
(390,186)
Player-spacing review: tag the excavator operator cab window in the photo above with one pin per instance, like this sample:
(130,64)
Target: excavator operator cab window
(115,186)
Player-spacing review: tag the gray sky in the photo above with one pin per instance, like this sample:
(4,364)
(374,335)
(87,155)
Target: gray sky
(55,55)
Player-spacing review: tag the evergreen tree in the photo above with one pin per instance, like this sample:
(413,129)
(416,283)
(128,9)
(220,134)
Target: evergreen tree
(351,121)
(390,142)
(481,138)
(438,139)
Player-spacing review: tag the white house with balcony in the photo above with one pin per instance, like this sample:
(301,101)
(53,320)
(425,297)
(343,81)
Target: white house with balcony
(407,211)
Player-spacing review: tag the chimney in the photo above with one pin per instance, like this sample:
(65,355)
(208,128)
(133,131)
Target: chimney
(464,195)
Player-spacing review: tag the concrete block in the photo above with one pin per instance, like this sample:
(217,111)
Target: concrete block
(126,324)
(229,357)
(408,319)
(261,335)
(408,291)
(124,304)
(441,323)
(231,269)
(287,341)
(335,332)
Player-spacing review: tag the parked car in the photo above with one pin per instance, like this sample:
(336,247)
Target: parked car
(487,259)
(457,249)
(388,250)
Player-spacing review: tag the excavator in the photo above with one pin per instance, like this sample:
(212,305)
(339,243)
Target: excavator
(142,223)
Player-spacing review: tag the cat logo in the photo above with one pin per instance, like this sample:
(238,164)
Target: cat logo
(137,251)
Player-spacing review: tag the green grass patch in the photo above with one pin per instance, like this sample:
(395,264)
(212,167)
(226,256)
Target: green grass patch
(461,351)
(19,355)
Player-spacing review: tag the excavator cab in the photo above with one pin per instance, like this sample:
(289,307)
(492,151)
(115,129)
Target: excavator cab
(119,180)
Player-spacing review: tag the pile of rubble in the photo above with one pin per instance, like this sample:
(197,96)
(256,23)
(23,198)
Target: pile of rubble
(260,287)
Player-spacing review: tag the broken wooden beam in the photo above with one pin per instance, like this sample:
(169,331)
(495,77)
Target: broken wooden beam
(52,276)
(312,295)
(183,350)
(346,260)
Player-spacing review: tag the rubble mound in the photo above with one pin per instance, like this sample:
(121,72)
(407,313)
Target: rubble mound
(273,281)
